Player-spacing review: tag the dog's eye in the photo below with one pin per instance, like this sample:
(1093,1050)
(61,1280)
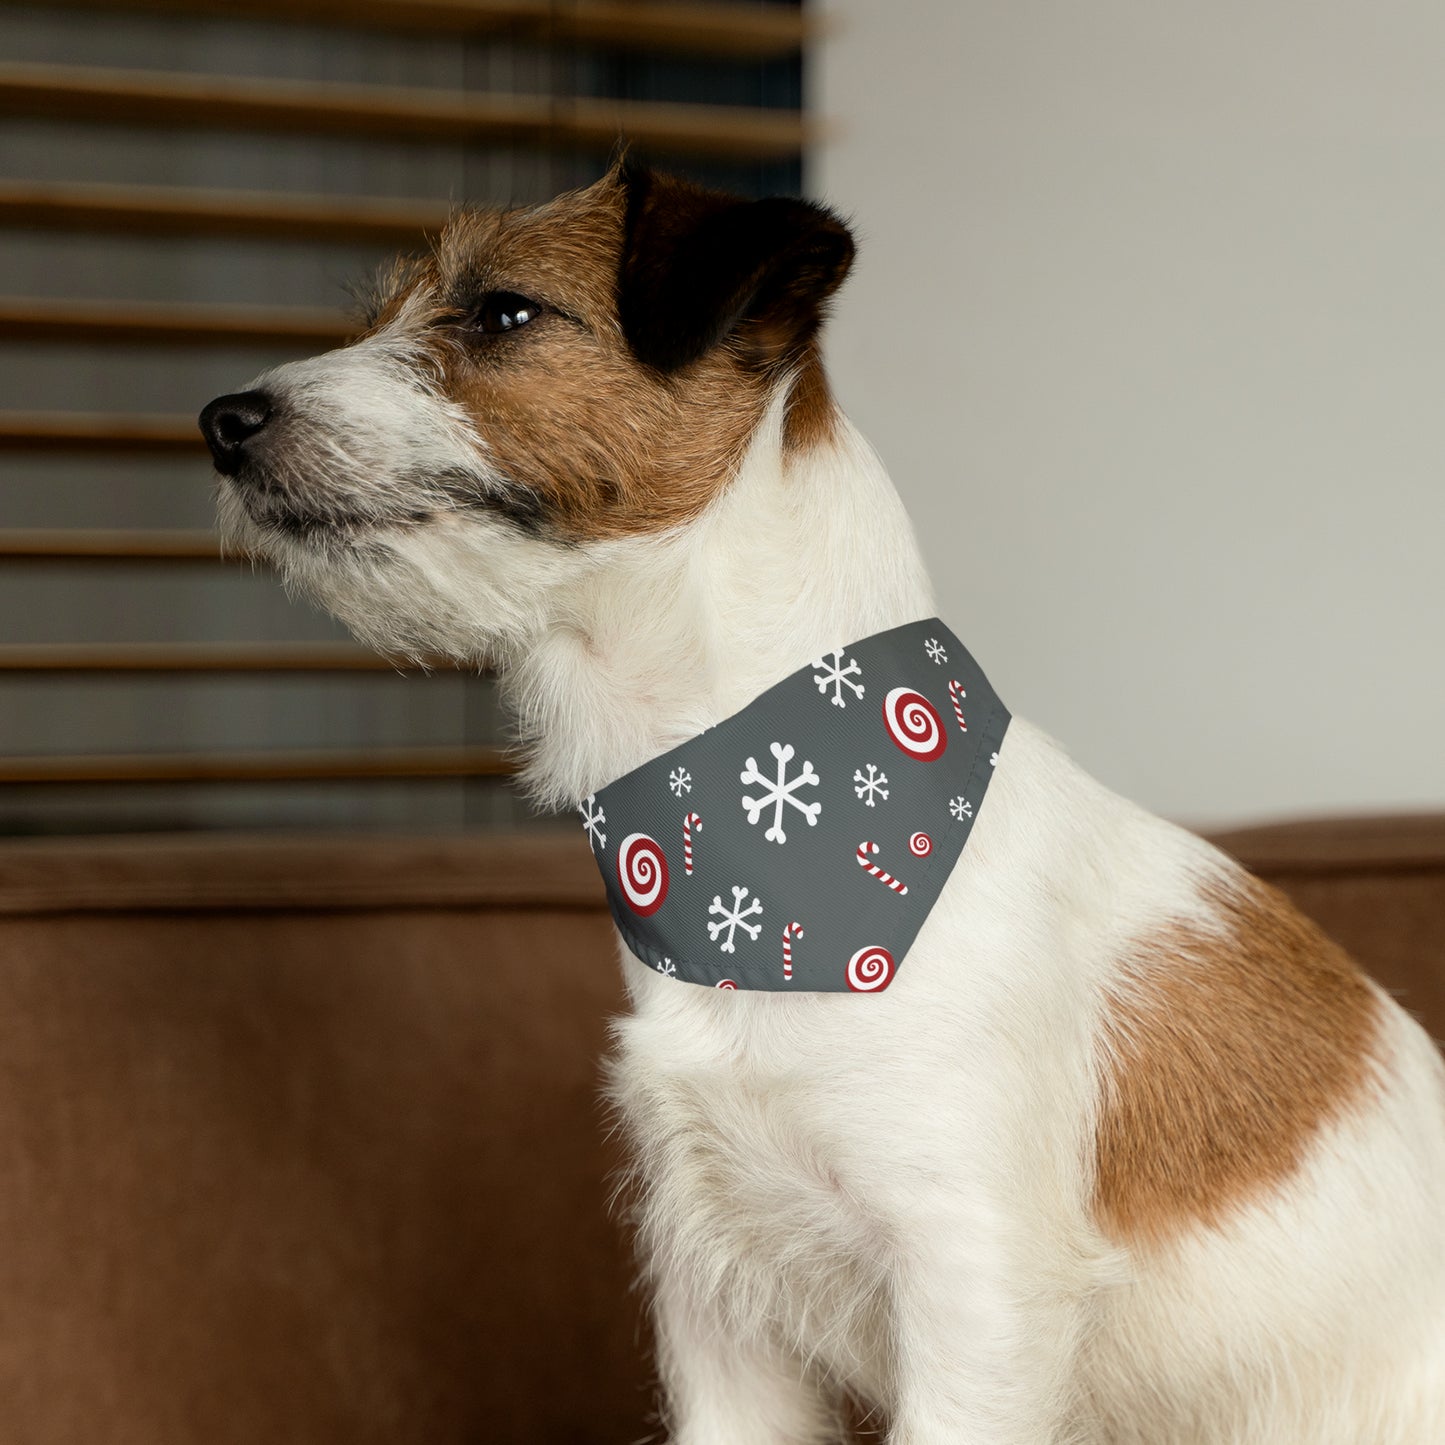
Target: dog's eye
(504,311)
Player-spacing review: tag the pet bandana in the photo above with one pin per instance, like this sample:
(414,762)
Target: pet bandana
(799,845)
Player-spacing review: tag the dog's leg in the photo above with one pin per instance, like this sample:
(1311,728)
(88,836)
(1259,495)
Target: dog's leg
(722,1389)
(984,1349)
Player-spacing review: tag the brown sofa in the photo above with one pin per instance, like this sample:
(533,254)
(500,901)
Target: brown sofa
(301,1138)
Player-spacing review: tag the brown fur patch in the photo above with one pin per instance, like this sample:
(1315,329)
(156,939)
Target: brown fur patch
(812,413)
(608,446)
(604,445)
(1226,1054)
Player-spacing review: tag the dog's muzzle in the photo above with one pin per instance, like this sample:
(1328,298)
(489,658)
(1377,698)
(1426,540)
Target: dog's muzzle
(230,422)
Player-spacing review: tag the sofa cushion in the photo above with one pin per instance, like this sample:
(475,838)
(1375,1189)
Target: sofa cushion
(303,1139)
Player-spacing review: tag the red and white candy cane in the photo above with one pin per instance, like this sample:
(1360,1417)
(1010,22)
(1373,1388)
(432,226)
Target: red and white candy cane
(956,692)
(688,824)
(864,849)
(792,931)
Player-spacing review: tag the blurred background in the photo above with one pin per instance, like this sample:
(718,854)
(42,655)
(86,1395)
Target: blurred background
(187,191)
(1149,324)
(1146,323)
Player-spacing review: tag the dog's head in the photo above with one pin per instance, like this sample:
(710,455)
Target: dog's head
(568,376)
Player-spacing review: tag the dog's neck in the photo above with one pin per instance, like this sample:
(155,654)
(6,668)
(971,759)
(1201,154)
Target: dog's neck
(666,636)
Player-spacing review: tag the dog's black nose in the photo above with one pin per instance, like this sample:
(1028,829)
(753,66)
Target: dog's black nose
(229,422)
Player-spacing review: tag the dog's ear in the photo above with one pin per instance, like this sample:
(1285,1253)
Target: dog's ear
(699,266)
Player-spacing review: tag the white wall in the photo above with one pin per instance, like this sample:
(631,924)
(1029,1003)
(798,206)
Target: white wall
(1149,324)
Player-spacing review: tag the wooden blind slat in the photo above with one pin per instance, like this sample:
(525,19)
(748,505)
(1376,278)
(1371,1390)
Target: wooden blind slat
(78,431)
(77,544)
(709,29)
(216,102)
(259,767)
(755,32)
(132,657)
(170,323)
(175,210)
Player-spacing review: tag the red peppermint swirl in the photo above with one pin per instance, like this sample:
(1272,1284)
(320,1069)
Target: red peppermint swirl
(726,983)
(642,873)
(914,724)
(870,969)
(920,845)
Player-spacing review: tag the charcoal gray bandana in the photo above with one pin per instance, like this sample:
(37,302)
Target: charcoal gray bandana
(799,845)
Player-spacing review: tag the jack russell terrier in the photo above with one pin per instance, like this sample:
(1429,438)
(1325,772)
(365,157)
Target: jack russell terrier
(1075,1134)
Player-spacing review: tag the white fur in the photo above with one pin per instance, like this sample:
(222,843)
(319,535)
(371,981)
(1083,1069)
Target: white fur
(891,1194)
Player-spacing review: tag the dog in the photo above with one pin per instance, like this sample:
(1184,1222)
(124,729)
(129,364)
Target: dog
(1129,1153)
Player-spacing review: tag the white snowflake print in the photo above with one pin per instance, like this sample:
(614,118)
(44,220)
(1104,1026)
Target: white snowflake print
(780,792)
(734,918)
(961,808)
(874,783)
(680,781)
(667,968)
(934,648)
(837,676)
(993,760)
(592,820)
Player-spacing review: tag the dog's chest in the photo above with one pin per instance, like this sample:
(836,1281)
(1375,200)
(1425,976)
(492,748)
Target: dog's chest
(745,1185)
